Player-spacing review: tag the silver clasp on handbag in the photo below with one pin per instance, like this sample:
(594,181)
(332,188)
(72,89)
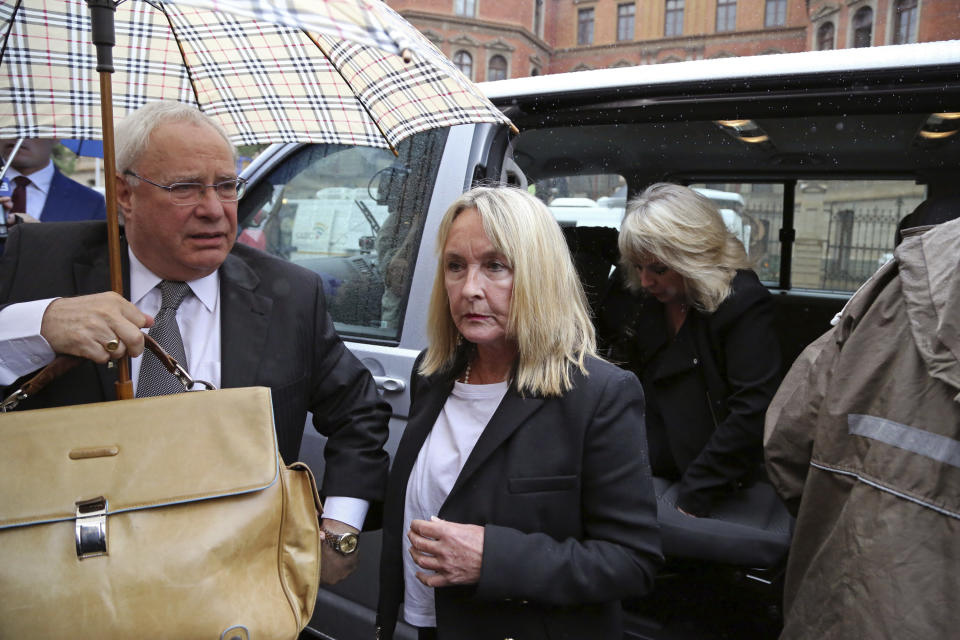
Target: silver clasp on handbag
(188,382)
(91,528)
(11,401)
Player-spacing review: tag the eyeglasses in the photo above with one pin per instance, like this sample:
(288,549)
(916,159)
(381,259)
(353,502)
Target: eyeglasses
(187,193)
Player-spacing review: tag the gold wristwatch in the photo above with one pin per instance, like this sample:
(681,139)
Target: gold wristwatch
(343,543)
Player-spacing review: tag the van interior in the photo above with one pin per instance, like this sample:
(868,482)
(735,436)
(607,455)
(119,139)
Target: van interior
(814,178)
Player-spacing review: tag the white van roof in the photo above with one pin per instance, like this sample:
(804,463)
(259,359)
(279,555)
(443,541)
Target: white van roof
(807,62)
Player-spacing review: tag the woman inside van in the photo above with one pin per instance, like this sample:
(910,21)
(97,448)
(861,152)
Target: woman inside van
(700,337)
(520,502)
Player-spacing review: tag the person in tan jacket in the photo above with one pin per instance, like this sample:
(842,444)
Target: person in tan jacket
(862,441)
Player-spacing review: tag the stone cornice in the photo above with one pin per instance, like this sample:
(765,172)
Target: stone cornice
(689,41)
(462,21)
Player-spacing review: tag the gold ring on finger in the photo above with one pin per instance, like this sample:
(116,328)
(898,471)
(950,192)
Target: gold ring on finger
(112,345)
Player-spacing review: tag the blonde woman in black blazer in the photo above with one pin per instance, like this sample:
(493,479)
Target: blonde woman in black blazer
(701,340)
(534,514)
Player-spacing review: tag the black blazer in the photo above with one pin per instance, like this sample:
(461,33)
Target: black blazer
(563,490)
(275,332)
(708,389)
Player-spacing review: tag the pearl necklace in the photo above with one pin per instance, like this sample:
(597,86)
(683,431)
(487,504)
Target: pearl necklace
(466,373)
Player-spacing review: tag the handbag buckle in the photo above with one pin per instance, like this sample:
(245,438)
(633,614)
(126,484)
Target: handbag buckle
(91,530)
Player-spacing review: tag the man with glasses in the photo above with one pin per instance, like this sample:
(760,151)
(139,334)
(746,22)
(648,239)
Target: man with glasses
(236,316)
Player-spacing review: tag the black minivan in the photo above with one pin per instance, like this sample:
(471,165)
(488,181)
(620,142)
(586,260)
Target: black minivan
(812,158)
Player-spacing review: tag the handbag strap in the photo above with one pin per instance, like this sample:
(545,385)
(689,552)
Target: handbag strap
(64,363)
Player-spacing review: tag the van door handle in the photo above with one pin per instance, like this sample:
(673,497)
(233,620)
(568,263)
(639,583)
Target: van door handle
(393,385)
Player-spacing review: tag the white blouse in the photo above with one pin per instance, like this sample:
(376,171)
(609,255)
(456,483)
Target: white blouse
(463,418)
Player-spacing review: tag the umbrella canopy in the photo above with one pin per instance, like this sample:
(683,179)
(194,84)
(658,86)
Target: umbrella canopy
(263,82)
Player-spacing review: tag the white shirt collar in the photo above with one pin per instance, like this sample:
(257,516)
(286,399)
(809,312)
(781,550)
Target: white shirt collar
(142,281)
(41,179)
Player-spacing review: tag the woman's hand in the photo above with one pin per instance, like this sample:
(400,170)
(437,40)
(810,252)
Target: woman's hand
(453,551)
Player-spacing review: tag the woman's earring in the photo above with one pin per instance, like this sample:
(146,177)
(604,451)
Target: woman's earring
(459,339)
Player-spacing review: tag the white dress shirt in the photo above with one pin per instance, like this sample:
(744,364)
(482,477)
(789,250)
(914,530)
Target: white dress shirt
(23,349)
(37,190)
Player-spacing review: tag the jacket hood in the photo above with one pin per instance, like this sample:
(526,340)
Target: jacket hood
(929,265)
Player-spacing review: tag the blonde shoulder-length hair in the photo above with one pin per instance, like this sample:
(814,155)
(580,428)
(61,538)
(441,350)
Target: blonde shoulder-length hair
(682,229)
(548,318)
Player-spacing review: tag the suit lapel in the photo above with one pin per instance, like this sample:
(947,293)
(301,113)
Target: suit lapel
(91,274)
(244,322)
(513,411)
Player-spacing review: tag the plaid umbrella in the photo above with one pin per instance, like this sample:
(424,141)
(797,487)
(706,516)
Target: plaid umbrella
(342,82)
(339,80)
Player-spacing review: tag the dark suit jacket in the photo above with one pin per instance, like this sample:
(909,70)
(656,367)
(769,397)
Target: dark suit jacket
(69,200)
(275,332)
(563,490)
(708,389)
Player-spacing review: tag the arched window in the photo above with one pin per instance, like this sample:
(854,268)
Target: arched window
(497,68)
(825,36)
(464,61)
(904,21)
(863,27)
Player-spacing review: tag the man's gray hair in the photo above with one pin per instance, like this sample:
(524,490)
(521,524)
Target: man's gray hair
(133,132)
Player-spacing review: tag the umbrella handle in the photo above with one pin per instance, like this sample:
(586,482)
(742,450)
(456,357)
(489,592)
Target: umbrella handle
(101,19)
(104,33)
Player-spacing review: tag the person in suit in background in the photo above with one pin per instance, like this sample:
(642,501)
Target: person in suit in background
(242,317)
(520,502)
(41,193)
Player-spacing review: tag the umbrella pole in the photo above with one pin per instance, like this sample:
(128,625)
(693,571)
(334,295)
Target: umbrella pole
(101,20)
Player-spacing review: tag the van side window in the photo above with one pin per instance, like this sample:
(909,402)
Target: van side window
(355,216)
(844,229)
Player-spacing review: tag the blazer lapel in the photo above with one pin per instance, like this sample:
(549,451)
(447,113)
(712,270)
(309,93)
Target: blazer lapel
(244,321)
(91,274)
(430,401)
(513,411)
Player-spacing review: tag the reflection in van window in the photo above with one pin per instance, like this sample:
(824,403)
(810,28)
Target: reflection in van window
(584,200)
(355,216)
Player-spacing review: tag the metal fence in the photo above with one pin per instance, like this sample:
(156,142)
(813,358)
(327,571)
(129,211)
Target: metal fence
(860,239)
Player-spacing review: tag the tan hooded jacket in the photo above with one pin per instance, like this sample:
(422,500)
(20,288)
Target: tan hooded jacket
(862,441)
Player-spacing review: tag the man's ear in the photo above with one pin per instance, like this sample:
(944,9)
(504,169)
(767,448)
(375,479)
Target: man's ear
(124,194)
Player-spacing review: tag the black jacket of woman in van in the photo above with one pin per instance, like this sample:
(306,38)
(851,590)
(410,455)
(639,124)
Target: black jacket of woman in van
(707,388)
(562,488)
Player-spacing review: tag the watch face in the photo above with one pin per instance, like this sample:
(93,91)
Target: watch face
(348,543)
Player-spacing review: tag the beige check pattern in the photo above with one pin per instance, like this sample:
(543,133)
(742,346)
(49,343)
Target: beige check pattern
(264,82)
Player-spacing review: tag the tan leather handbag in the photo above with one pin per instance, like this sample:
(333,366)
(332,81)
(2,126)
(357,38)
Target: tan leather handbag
(167,517)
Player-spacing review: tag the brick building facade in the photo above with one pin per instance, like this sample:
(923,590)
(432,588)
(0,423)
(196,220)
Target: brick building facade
(495,39)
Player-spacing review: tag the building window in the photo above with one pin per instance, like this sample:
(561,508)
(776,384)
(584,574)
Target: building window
(585,26)
(726,15)
(464,61)
(538,18)
(776,13)
(673,25)
(465,7)
(863,27)
(497,68)
(904,21)
(625,19)
(825,36)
